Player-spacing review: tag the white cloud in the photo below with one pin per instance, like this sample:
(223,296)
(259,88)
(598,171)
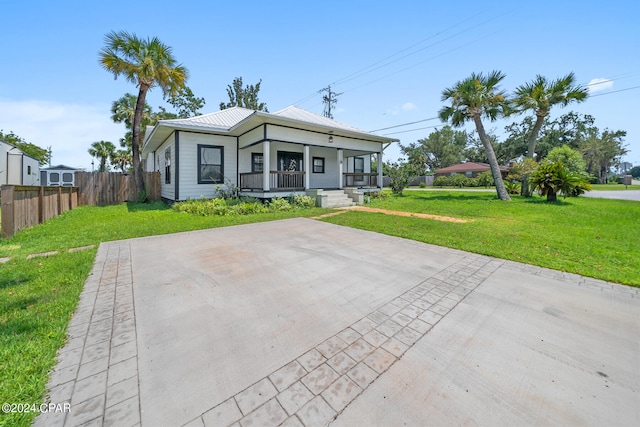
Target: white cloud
(68,128)
(408,106)
(396,111)
(598,84)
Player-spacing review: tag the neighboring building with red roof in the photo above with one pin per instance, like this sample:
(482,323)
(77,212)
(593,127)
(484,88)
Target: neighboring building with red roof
(469,169)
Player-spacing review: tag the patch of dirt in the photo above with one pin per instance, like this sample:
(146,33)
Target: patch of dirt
(409,214)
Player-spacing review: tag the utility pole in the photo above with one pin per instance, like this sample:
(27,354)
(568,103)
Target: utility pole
(329,100)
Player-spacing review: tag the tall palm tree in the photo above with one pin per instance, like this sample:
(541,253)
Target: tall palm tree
(471,99)
(539,96)
(146,63)
(102,150)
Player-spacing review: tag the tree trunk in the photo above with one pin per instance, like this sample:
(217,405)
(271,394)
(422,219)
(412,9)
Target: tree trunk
(551,196)
(531,149)
(135,143)
(493,161)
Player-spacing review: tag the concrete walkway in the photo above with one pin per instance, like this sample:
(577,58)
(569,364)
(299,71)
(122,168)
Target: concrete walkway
(300,322)
(619,194)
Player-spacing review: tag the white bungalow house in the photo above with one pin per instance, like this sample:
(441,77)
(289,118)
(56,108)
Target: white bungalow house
(16,167)
(265,154)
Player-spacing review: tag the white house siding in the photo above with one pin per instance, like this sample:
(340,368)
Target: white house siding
(280,133)
(30,171)
(14,167)
(167,191)
(328,179)
(252,136)
(188,152)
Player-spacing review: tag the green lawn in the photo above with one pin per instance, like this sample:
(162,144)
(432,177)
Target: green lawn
(593,237)
(614,187)
(39,295)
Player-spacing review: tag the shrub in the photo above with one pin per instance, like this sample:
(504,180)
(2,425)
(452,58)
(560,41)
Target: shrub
(473,182)
(400,174)
(442,181)
(553,178)
(422,185)
(485,179)
(378,195)
(512,187)
(279,204)
(459,181)
(302,201)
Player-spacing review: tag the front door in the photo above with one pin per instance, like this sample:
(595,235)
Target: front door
(289,170)
(289,161)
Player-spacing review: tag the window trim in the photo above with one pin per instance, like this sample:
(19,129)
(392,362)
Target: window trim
(354,164)
(313,165)
(221,148)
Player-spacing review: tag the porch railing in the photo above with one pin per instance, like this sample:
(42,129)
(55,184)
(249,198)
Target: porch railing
(278,180)
(360,179)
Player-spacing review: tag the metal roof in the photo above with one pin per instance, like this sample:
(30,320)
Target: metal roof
(236,120)
(220,120)
(295,113)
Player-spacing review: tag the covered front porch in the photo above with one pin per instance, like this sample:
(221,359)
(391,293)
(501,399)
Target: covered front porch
(276,167)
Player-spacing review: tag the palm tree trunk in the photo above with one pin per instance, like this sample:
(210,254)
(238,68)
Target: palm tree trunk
(135,144)
(531,148)
(493,161)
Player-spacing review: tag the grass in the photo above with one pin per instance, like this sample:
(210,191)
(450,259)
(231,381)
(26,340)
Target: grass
(592,237)
(39,295)
(614,187)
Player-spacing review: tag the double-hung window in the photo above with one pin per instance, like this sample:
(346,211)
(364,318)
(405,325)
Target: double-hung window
(318,165)
(167,166)
(210,164)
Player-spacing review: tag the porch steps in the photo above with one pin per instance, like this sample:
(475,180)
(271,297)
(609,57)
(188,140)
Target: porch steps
(337,199)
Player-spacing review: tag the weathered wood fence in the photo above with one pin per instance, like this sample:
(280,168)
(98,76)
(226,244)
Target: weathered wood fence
(25,206)
(111,188)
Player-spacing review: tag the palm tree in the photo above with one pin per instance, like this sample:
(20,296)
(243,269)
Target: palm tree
(124,109)
(471,99)
(146,63)
(539,96)
(102,150)
(121,159)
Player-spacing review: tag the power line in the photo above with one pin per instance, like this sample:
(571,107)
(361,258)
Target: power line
(364,71)
(406,124)
(411,130)
(614,91)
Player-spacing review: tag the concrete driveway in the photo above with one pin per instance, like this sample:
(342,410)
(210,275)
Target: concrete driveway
(300,322)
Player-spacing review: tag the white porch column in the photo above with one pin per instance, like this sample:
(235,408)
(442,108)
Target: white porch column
(379,164)
(266,167)
(340,159)
(307,169)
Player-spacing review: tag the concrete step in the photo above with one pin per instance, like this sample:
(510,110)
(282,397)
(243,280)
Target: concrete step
(337,199)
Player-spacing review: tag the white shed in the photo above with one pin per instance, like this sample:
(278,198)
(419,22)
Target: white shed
(16,167)
(59,175)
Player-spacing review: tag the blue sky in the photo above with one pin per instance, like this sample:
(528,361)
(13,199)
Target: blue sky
(390,59)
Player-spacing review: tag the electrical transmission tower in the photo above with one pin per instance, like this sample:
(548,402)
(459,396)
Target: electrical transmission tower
(329,100)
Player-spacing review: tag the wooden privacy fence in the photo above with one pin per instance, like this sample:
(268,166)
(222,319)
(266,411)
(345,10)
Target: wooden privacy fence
(112,188)
(24,206)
